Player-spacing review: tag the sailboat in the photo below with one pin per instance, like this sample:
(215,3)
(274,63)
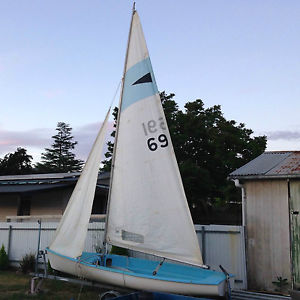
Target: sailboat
(147,207)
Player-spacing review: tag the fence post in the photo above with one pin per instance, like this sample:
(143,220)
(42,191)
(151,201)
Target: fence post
(38,247)
(9,241)
(244,255)
(203,244)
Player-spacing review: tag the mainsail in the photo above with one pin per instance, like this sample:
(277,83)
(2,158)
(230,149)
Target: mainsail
(148,210)
(71,233)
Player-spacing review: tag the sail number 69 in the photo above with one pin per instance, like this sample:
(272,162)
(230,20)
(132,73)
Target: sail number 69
(152,144)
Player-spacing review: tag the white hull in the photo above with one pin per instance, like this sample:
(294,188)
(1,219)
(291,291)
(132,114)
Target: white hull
(121,279)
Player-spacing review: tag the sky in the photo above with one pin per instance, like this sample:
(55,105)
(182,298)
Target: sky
(61,61)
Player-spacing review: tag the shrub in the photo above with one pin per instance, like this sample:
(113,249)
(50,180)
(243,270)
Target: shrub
(50,270)
(28,262)
(3,259)
(281,284)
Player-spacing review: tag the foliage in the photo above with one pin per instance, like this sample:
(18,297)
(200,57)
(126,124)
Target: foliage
(17,163)
(208,148)
(50,270)
(28,263)
(4,262)
(281,284)
(119,251)
(59,157)
(110,145)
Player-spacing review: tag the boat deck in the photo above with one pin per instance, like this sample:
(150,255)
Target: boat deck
(144,268)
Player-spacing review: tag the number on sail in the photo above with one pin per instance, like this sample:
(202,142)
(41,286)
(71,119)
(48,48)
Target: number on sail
(150,127)
(163,142)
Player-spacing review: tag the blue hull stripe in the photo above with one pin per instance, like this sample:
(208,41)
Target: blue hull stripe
(136,92)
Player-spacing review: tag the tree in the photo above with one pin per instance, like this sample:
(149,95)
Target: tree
(110,145)
(208,147)
(16,163)
(59,157)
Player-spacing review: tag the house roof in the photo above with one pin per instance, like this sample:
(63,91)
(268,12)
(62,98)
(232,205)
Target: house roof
(37,182)
(271,164)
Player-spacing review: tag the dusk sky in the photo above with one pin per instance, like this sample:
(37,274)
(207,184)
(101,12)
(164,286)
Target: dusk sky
(63,60)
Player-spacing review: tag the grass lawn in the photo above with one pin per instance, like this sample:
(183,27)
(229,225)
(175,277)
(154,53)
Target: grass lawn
(16,286)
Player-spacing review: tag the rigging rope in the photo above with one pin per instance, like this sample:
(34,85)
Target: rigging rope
(115,94)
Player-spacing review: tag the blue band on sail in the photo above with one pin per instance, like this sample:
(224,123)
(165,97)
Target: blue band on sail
(136,89)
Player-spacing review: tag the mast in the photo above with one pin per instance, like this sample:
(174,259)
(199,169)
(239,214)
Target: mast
(117,127)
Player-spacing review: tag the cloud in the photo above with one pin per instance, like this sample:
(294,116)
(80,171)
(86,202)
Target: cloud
(40,138)
(283,135)
(86,135)
(11,140)
(54,93)
(36,140)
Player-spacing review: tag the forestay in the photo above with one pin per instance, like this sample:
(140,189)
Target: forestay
(71,233)
(148,210)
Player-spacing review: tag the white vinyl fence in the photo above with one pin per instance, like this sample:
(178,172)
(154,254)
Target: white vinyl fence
(220,244)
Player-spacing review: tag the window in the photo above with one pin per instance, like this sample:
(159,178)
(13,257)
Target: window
(24,206)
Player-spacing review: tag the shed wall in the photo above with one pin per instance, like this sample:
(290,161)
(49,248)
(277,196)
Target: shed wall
(47,202)
(50,202)
(8,206)
(268,237)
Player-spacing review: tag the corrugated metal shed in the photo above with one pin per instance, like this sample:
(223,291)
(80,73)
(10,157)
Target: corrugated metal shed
(271,205)
(270,165)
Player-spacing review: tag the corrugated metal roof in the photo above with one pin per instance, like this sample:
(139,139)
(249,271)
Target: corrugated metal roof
(271,164)
(35,182)
(36,178)
(39,176)
(290,166)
